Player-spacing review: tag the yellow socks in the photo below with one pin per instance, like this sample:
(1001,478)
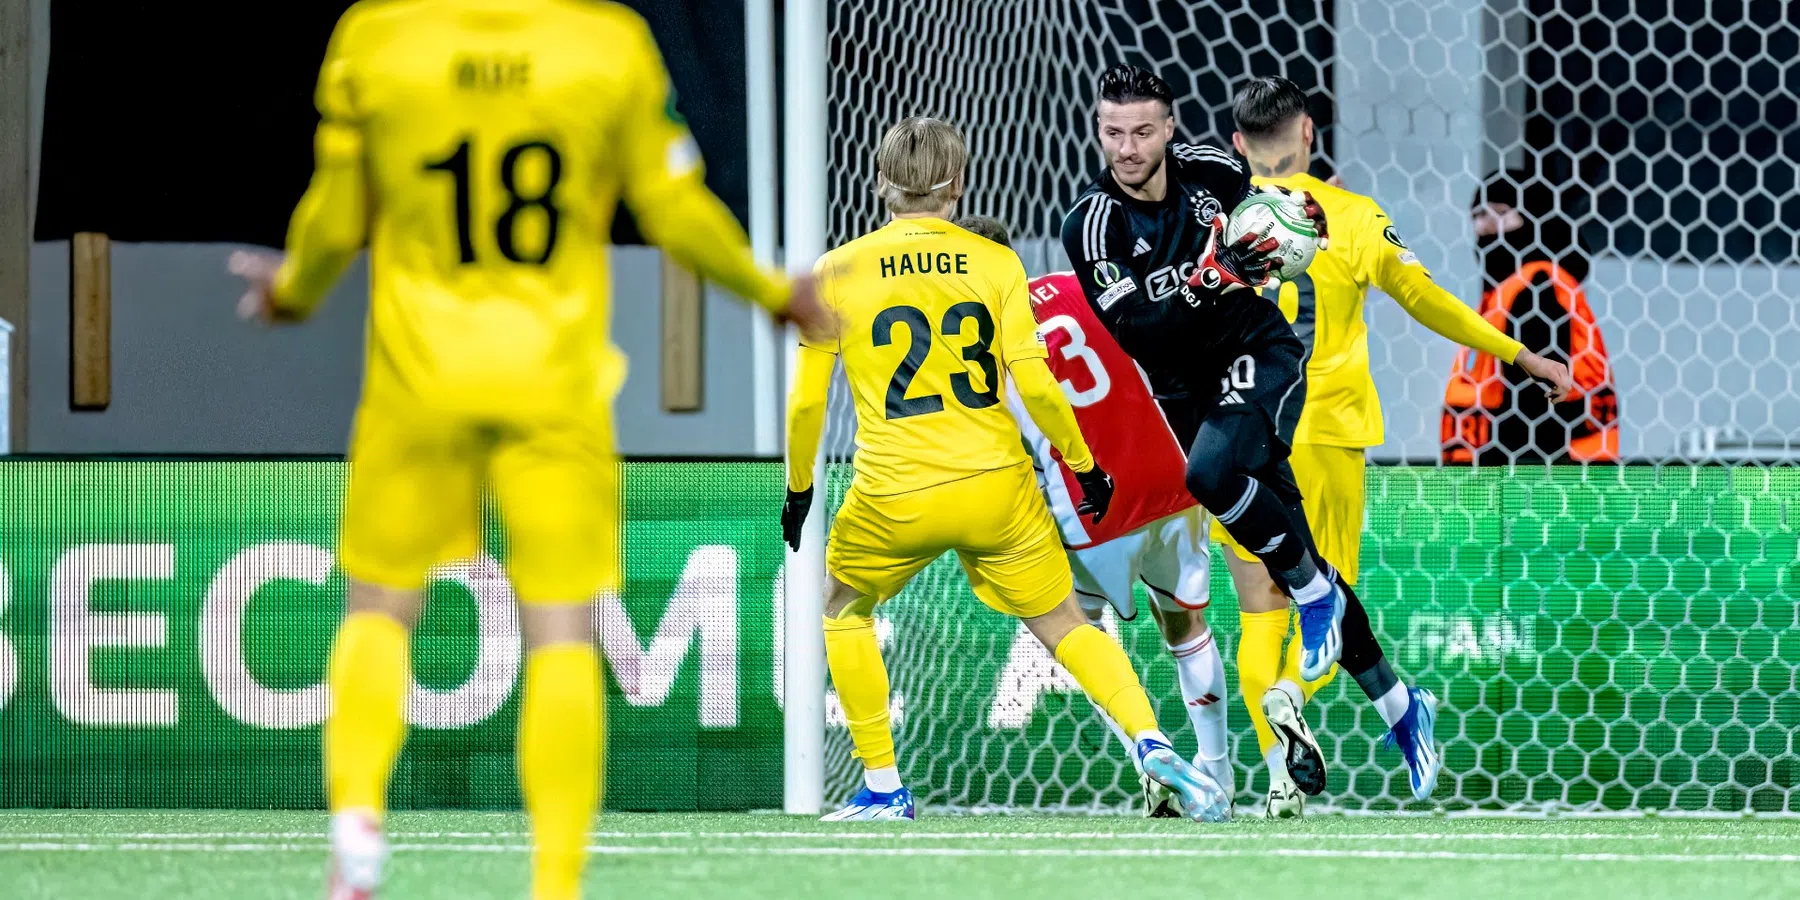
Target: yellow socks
(1259,664)
(1103,670)
(560,738)
(861,679)
(369,677)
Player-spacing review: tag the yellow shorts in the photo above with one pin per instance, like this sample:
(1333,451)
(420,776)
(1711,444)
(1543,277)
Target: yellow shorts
(996,522)
(415,497)
(1331,483)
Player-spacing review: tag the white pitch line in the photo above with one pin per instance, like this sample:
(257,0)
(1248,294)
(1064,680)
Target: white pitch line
(971,852)
(900,835)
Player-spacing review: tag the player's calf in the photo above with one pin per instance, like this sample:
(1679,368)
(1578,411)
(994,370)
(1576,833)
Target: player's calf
(1259,521)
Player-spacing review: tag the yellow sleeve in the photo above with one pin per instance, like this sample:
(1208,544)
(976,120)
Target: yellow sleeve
(806,413)
(1018,338)
(330,225)
(826,273)
(1395,269)
(665,184)
(1044,400)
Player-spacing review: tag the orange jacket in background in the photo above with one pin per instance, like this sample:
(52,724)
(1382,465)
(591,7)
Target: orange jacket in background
(1478,394)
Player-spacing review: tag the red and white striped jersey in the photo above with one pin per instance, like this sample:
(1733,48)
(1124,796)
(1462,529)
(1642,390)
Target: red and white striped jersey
(1118,416)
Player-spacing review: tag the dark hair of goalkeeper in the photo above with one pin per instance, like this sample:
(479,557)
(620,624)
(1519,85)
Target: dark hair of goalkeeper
(1129,84)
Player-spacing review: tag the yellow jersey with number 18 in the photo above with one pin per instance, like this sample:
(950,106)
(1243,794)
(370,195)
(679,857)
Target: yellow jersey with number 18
(1325,306)
(930,317)
(484,145)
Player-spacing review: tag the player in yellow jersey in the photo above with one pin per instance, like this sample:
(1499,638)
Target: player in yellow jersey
(479,148)
(932,321)
(1341,418)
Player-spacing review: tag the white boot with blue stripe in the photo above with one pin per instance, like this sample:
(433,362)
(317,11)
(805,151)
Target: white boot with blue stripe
(882,799)
(1416,736)
(1199,797)
(1322,604)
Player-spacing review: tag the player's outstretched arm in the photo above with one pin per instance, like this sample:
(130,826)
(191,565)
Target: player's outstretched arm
(331,223)
(1397,272)
(806,423)
(664,181)
(329,227)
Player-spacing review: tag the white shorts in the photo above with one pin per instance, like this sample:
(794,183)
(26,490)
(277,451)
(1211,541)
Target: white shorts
(1170,556)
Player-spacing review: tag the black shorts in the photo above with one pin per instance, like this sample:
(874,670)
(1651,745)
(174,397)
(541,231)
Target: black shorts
(1267,380)
(1258,404)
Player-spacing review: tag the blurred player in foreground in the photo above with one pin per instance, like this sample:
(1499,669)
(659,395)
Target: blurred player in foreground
(480,148)
(1154,531)
(1342,418)
(932,316)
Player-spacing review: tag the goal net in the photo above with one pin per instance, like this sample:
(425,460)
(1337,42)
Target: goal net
(1608,636)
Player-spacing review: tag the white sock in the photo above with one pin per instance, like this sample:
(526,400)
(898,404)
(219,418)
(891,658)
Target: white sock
(1313,591)
(1392,705)
(1153,734)
(885,780)
(1277,764)
(1201,673)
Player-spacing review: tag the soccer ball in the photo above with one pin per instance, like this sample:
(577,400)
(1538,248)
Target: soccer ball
(1283,217)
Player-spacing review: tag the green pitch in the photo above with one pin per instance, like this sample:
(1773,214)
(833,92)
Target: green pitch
(254,855)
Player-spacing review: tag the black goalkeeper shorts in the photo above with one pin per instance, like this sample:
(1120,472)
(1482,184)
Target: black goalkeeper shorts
(1250,422)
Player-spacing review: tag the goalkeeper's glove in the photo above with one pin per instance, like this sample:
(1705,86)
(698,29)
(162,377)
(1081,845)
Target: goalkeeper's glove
(1096,492)
(793,515)
(1314,211)
(1227,267)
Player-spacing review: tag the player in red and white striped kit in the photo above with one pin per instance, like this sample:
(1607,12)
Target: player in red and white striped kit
(1154,531)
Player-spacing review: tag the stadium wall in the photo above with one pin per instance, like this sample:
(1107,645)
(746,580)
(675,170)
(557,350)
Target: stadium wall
(188,378)
(1604,638)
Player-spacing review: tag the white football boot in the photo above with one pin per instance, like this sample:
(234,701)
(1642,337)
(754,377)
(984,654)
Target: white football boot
(1305,761)
(1159,801)
(358,851)
(1285,800)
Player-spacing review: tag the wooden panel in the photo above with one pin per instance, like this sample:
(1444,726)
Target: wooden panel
(15,207)
(683,349)
(90,321)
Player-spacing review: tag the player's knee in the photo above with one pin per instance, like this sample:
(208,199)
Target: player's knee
(1094,608)
(1180,624)
(1206,480)
(844,601)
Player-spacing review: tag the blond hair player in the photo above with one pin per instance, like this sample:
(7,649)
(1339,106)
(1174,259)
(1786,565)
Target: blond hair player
(934,320)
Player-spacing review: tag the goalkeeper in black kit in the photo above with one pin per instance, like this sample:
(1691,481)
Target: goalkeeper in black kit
(1146,239)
